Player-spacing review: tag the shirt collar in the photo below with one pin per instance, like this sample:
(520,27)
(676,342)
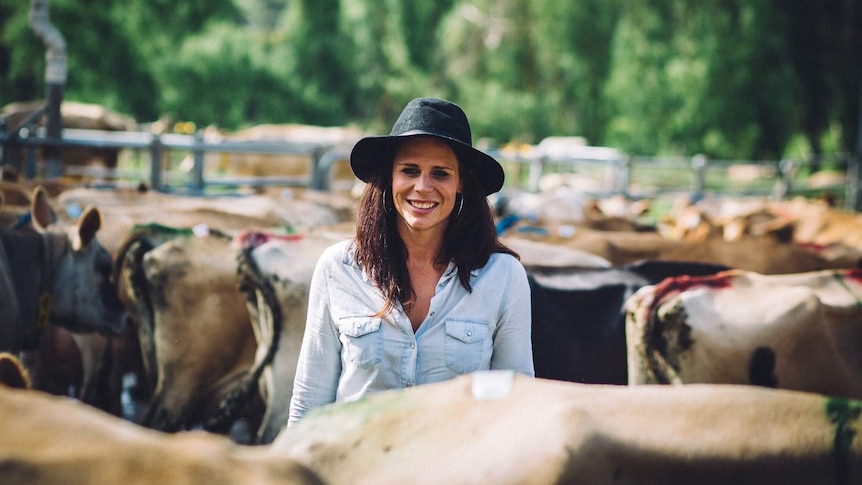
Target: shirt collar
(350,260)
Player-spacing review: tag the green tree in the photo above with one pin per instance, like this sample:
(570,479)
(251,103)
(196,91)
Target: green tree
(311,58)
(573,42)
(707,78)
(380,60)
(825,41)
(223,76)
(22,58)
(730,79)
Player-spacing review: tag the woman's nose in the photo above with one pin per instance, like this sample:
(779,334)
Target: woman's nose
(423,182)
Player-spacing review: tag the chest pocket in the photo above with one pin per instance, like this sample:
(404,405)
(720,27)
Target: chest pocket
(362,341)
(464,345)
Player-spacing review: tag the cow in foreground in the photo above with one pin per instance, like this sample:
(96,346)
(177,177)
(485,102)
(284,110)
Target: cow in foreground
(801,331)
(500,428)
(49,440)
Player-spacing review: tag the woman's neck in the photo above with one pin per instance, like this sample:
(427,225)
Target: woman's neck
(423,247)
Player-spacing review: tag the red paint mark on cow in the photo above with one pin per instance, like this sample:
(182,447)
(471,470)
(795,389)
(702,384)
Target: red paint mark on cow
(677,284)
(253,239)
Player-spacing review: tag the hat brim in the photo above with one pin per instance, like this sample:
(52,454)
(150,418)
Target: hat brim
(370,153)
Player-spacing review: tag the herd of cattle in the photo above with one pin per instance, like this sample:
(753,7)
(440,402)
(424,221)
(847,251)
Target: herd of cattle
(752,304)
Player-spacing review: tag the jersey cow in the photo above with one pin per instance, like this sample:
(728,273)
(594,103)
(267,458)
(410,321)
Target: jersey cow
(57,441)
(799,332)
(193,324)
(765,255)
(275,272)
(500,428)
(125,209)
(57,275)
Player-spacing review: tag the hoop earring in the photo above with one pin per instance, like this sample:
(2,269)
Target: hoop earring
(460,206)
(386,209)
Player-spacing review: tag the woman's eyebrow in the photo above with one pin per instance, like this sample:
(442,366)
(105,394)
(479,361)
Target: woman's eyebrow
(433,167)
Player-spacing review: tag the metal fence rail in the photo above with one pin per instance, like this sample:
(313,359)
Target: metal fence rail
(613,172)
(322,155)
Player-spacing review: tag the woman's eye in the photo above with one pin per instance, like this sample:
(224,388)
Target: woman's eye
(410,171)
(441,174)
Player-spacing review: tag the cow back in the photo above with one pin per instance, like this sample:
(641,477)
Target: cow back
(798,331)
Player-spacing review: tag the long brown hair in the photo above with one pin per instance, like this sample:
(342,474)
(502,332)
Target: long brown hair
(469,240)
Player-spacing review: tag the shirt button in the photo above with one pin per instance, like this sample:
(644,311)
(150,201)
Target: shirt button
(431,314)
(469,333)
(409,384)
(412,346)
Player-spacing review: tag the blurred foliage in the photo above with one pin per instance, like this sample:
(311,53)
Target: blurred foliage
(734,79)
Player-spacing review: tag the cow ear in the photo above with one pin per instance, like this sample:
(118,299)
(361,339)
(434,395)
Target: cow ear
(88,225)
(641,207)
(12,372)
(41,212)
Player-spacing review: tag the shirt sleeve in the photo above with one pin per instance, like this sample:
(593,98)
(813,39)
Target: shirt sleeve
(319,366)
(513,346)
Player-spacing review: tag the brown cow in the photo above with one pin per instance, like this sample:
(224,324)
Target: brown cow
(569,210)
(500,428)
(48,440)
(813,223)
(762,255)
(192,320)
(124,209)
(164,213)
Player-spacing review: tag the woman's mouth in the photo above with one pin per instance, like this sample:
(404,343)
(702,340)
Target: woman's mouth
(423,205)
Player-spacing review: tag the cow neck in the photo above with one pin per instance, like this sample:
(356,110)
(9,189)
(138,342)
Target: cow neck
(24,251)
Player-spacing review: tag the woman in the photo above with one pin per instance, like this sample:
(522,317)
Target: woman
(425,291)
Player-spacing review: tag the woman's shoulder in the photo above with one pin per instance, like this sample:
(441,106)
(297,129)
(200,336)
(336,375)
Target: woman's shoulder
(504,262)
(338,253)
(504,258)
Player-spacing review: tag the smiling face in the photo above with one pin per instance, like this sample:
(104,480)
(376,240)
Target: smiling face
(425,181)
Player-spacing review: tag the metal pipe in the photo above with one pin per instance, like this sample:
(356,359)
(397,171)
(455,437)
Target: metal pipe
(55,81)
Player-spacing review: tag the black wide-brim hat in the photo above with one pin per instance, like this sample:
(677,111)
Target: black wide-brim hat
(428,117)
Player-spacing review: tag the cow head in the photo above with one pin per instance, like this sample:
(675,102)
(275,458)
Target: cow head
(79,268)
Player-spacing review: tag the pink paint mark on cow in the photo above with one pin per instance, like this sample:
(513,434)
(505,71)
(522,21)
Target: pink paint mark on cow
(853,275)
(675,285)
(813,247)
(253,239)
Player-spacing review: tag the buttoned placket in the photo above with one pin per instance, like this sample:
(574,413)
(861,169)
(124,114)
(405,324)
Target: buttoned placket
(411,353)
(407,328)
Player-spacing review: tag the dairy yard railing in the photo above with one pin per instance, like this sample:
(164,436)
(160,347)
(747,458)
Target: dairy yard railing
(608,172)
(321,156)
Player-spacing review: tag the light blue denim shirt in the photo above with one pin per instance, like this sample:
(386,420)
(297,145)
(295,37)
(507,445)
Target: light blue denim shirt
(347,352)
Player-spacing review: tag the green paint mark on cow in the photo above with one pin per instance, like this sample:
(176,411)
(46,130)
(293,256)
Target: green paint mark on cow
(161,229)
(345,417)
(842,413)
